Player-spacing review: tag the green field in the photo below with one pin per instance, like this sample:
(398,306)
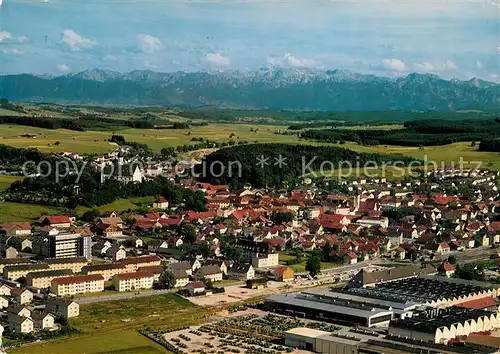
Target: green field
(21,211)
(110,327)
(446,154)
(6,181)
(95,142)
(119,342)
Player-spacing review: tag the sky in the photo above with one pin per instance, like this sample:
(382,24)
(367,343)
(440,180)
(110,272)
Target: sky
(451,38)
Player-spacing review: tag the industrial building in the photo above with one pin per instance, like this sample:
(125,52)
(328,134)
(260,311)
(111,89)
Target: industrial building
(441,325)
(328,308)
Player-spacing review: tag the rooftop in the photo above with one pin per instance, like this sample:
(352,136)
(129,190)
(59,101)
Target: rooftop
(78,279)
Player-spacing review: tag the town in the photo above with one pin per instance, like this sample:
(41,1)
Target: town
(408,265)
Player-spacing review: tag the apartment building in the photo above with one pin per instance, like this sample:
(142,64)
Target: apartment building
(133,281)
(15,272)
(42,280)
(74,263)
(133,263)
(79,284)
(106,270)
(55,243)
(156,270)
(13,261)
(62,307)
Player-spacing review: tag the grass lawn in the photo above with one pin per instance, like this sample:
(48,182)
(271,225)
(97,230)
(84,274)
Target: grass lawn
(110,327)
(22,212)
(121,205)
(96,294)
(119,342)
(159,310)
(6,181)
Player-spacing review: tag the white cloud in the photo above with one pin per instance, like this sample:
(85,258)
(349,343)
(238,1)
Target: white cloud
(75,41)
(149,44)
(217,60)
(13,51)
(4,35)
(425,67)
(63,68)
(449,65)
(479,65)
(290,61)
(394,65)
(22,39)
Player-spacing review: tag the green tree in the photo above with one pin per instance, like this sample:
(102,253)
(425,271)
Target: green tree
(91,215)
(281,217)
(187,232)
(167,280)
(313,265)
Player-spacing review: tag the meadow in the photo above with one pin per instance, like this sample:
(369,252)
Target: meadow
(110,327)
(95,142)
(6,181)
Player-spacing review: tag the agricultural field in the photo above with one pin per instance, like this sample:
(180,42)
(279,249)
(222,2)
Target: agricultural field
(95,142)
(445,154)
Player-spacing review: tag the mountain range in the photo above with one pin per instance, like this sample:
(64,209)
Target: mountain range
(289,89)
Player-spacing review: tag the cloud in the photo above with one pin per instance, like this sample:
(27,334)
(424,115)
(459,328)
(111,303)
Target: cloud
(479,65)
(290,61)
(149,44)
(449,65)
(4,36)
(424,67)
(75,41)
(394,65)
(13,51)
(22,39)
(63,68)
(216,60)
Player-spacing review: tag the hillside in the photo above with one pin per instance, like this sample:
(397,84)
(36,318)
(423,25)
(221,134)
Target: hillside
(291,89)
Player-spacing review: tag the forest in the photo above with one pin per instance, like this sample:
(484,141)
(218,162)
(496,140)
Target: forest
(415,133)
(221,167)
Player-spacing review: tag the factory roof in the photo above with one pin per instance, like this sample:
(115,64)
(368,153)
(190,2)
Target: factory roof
(323,303)
(307,332)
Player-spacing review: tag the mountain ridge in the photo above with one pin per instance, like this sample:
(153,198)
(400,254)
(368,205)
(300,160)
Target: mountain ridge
(266,88)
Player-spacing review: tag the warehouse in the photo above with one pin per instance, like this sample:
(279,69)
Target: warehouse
(335,310)
(441,325)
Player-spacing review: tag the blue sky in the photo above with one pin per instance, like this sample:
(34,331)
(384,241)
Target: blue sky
(453,38)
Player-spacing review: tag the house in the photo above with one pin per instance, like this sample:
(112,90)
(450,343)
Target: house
(109,226)
(350,258)
(122,173)
(43,320)
(161,203)
(65,308)
(18,310)
(446,269)
(21,296)
(5,290)
(221,264)
(283,274)
(209,272)
(196,287)
(400,253)
(182,266)
(21,325)
(56,221)
(241,271)
(133,281)
(257,283)
(155,244)
(4,302)
(181,278)
(10,253)
(15,229)
(79,284)
(116,253)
